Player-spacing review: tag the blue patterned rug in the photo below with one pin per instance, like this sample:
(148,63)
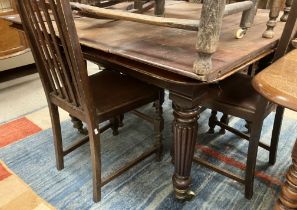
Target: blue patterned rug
(148,185)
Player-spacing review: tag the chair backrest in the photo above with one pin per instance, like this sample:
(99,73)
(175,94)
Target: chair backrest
(289,33)
(59,60)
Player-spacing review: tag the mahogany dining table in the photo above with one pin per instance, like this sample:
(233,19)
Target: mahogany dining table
(164,57)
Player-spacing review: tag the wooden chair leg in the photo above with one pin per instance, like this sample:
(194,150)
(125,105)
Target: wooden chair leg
(159,124)
(275,134)
(248,126)
(172,147)
(121,119)
(251,164)
(94,138)
(55,119)
(256,128)
(225,120)
(211,122)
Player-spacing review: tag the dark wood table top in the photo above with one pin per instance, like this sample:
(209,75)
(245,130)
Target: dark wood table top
(278,82)
(174,49)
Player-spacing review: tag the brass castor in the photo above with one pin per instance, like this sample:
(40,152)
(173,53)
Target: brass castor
(185,195)
(190,195)
(240,33)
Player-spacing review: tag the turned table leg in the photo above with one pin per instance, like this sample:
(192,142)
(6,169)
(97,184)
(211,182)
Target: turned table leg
(287,9)
(185,134)
(273,15)
(288,195)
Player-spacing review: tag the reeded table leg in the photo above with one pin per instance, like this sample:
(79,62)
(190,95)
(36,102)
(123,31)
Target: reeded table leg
(185,134)
(273,15)
(287,9)
(288,195)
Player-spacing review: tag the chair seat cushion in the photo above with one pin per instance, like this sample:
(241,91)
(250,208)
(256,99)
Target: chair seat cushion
(237,91)
(117,93)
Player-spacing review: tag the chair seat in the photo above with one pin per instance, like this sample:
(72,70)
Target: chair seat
(237,91)
(237,97)
(117,93)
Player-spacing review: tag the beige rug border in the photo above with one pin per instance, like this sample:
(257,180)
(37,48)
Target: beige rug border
(27,186)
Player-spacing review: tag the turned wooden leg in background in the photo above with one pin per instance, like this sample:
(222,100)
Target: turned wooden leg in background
(273,15)
(138,5)
(248,126)
(287,9)
(77,124)
(247,20)
(115,124)
(288,195)
(159,8)
(185,134)
(121,119)
(225,120)
(212,121)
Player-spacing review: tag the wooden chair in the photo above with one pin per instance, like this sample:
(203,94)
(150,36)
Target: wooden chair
(277,83)
(237,97)
(91,99)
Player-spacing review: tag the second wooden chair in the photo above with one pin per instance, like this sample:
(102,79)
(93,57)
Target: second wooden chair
(91,99)
(237,97)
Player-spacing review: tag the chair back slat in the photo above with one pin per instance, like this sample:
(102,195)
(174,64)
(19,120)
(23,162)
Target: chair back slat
(52,39)
(42,37)
(50,27)
(288,34)
(52,51)
(65,65)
